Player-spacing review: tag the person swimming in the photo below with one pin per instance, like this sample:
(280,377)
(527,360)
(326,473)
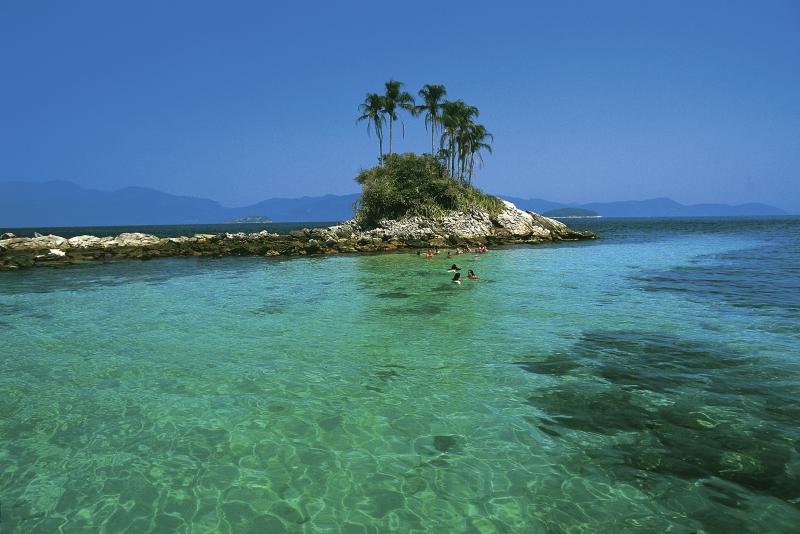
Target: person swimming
(472,276)
(449,255)
(457,278)
(453,268)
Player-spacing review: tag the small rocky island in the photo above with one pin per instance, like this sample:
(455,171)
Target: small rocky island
(509,226)
(408,201)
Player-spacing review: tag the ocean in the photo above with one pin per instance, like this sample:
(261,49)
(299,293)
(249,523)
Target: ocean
(648,381)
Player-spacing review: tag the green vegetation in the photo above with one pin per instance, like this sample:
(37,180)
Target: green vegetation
(409,184)
(429,185)
(462,140)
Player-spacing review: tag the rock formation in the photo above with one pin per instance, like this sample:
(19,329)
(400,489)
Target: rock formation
(511,226)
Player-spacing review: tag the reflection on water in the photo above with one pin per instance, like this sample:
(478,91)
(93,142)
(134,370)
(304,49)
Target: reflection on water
(648,381)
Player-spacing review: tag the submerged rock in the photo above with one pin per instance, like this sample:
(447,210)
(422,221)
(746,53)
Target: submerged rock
(510,226)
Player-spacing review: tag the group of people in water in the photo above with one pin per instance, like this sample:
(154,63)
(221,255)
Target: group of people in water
(457,276)
(455,269)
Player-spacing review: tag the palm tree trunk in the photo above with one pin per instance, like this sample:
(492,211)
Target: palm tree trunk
(457,159)
(458,164)
(433,133)
(452,155)
(390,136)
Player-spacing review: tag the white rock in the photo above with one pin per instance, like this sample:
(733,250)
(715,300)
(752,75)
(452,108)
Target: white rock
(84,241)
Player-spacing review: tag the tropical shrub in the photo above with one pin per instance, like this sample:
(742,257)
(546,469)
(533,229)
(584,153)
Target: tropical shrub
(409,184)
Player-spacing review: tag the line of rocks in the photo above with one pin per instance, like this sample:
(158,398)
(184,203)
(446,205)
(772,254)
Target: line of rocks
(511,226)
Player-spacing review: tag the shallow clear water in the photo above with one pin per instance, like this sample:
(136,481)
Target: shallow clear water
(648,381)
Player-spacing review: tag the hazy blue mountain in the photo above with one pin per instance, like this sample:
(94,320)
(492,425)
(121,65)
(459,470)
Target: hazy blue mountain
(59,203)
(665,207)
(654,207)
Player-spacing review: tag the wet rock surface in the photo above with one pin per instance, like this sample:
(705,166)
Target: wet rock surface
(511,226)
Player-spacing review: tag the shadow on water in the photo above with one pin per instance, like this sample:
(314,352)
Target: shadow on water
(120,272)
(694,410)
(393,295)
(405,285)
(12,313)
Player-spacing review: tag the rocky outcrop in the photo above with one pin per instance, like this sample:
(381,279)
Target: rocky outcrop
(511,226)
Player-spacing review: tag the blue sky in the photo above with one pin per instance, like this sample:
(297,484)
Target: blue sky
(241,101)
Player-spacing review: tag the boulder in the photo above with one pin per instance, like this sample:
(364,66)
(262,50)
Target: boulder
(134,239)
(48,241)
(84,241)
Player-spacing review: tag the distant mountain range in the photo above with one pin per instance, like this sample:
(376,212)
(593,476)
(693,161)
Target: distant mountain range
(60,203)
(654,207)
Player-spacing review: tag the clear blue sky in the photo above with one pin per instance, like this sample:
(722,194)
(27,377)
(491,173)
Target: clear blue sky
(240,101)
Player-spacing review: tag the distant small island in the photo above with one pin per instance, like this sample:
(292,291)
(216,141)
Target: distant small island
(571,213)
(250,219)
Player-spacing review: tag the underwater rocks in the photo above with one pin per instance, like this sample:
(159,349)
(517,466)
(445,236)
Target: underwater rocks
(669,406)
(511,226)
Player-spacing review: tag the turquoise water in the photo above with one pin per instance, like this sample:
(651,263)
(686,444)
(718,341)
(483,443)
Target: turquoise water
(645,382)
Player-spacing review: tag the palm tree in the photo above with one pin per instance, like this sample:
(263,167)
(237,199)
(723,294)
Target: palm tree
(432,96)
(372,112)
(457,119)
(395,98)
(476,140)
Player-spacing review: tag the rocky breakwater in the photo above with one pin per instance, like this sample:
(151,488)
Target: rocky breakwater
(511,226)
